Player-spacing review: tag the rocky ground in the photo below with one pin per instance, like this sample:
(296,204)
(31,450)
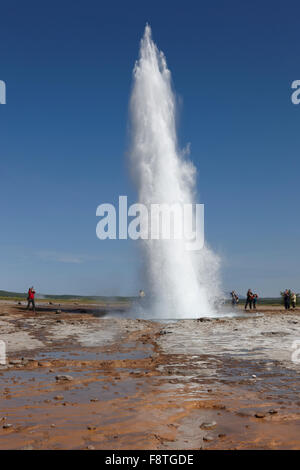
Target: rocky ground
(76,378)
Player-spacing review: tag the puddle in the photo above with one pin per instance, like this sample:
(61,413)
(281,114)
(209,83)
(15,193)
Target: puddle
(32,388)
(86,355)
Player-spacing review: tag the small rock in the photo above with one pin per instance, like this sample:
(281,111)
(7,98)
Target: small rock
(272,411)
(27,448)
(260,415)
(58,397)
(7,426)
(221,435)
(254,376)
(90,447)
(207,439)
(211,425)
(58,312)
(64,378)
(44,364)
(94,399)
(15,361)
(53,425)
(91,428)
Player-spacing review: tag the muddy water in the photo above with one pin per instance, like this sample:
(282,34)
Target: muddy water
(145,385)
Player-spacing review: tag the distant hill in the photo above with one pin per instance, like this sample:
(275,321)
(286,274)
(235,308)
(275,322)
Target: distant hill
(4,293)
(7,294)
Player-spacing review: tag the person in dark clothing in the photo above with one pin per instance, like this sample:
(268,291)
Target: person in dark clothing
(255,297)
(249,299)
(30,299)
(287,299)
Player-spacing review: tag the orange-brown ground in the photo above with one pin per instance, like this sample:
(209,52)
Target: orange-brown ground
(140,384)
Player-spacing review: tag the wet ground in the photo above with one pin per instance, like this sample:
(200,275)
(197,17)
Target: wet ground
(78,379)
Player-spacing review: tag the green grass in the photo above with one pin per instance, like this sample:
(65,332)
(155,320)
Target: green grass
(267,301)
(8,295)
(5,295)
(262,301)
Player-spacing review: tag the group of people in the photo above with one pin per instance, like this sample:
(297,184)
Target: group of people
(289,299)
(251,300)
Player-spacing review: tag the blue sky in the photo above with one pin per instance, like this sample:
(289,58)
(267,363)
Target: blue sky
(64,136)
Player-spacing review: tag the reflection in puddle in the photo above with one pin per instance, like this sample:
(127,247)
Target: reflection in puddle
(92,355)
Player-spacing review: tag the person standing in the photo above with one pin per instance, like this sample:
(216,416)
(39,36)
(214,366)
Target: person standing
(30,298)
(255,297)
(287,299)
(293,299)
(141,294)
(249,299)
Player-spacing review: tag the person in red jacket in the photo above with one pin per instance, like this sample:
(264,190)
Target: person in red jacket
(30,298)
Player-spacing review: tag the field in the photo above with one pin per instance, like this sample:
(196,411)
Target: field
(79,377)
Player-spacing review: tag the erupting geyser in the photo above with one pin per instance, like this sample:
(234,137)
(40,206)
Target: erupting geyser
(179,283)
